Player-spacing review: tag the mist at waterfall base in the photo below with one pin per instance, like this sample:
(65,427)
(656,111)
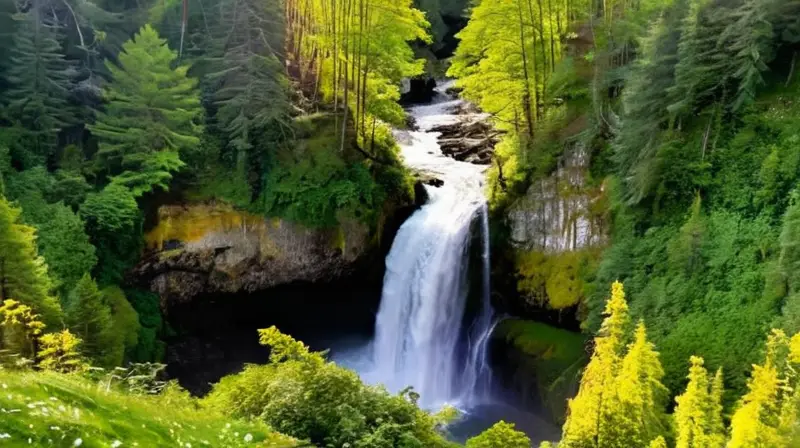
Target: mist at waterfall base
(427,335)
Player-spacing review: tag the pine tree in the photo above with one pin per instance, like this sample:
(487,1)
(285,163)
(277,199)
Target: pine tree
(757,421)
(251,89)
(642,397)
(749,38)
(594,413)
(150,115)
(698,419)
(89,318)
(125,322)
(40,80)
(60,352)
(23,274)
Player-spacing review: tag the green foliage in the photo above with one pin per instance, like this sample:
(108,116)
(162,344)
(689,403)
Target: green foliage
(301,394)
(149,348)
(500,435)
(62,240)
(40,80)
(316,184)
(554,280)
(150,116)
(125,325)
(23,274)
(114,222)
(89,318)
(82,412)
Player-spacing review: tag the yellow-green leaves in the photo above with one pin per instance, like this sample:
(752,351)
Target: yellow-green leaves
(698,419)
(59,352)
(620,402)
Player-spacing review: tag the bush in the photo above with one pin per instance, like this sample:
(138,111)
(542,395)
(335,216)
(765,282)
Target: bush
(301,394)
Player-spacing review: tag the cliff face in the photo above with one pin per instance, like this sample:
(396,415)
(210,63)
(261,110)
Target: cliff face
(560,212)
(557,233)
(205,249)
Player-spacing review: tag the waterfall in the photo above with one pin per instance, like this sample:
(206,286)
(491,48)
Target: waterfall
(419,336)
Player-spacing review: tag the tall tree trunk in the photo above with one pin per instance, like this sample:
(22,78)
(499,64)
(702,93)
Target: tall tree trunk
(526,97)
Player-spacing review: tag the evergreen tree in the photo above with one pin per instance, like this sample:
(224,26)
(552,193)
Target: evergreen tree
(698,419)
(642,397)
(89,318)
(757,421)
(125,323)
(23,274)
(749,38)
(251,89)
(40,80)
(150,116)
(594,414)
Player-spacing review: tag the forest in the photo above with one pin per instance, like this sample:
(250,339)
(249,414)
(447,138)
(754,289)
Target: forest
(684,114)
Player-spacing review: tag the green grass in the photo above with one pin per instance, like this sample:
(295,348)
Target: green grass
(48,409)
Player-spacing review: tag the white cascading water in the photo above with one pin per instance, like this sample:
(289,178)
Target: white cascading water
(419,337)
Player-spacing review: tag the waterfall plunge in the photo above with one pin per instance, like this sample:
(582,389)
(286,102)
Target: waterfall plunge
(419,336)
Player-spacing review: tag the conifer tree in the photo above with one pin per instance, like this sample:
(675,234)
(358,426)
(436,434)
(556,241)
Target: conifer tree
(698,419)
(642,397)
(89,318)
(757,421)
(594,414)
(150,116)
(40,80)
(749,38)
(23,274)
(251,89)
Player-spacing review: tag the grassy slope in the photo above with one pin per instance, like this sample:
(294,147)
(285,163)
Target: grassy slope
(48,409)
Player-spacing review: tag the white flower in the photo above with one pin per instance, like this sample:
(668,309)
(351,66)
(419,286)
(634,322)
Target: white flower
(116,444)
(248,437)
(77,442)
(30,441)
(55,428)
(5,386)
(188,445)
(5,435)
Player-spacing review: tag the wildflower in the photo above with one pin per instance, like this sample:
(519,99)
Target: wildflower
(55,428)
(5,386)
(5,435)
(77,442)
(116,444)
(248,437)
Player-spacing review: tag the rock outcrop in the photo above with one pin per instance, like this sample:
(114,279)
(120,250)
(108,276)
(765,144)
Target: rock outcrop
(205,249)
(560,212)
